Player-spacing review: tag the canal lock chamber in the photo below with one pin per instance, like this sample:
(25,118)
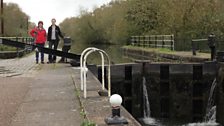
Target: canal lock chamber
(176,92)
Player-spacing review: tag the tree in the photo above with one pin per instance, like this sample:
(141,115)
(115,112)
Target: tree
(15,21)
(120,19)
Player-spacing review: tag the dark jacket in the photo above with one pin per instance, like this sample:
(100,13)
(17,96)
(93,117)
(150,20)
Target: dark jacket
(57,34)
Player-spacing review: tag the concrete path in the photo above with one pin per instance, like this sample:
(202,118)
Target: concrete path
(12,94)
(19,66)
(37,94)
(51,100)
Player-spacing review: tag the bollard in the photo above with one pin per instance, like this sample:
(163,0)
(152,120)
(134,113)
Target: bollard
(211,44)
(193,48)
(66,47)
(115,119)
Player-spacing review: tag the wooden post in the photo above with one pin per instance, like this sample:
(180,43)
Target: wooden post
(2,19)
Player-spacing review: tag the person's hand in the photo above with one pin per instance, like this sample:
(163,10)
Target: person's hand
(36,49)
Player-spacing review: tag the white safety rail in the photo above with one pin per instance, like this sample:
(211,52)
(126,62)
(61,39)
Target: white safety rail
(84,69)
(154,41)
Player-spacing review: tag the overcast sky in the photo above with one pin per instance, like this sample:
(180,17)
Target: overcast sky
(45,10)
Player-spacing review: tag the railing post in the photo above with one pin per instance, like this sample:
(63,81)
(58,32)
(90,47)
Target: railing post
(163,43)
(156,41)
(17,49)
(103,80)
(172,42)
(81,64)
(132,41)
(147,41)
(138,40)
(193,48)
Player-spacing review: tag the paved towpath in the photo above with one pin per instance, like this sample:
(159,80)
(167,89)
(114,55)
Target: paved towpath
(19,66)
(37,94)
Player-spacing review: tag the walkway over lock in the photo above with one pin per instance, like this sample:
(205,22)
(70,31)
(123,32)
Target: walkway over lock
(43,49)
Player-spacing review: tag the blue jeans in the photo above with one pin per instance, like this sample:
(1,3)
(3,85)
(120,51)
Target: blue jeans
(39,50)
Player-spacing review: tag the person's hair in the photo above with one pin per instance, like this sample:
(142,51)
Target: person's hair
(53,19)
(40,22)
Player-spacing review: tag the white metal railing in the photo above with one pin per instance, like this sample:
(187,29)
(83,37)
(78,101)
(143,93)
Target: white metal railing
(161,41)
(83,68)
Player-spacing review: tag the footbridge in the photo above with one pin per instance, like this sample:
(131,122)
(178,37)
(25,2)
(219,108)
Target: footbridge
(27,42)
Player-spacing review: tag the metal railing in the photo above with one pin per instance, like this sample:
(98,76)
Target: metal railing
(20,39)
(83,69)
(27,40)
(154,41)
(195,44)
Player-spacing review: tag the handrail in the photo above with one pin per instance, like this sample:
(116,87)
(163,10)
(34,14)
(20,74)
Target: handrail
(22,39)
(13,37)
(199,40)
(193,44)
(83,68)
(26,40)
(81,65)
(16,37)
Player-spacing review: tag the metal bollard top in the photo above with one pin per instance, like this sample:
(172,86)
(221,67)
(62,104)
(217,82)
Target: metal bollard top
(211,40)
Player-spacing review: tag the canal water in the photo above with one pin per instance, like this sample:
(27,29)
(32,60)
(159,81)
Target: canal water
(114,52)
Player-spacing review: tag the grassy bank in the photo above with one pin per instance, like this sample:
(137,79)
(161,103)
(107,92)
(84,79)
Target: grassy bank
(7,48)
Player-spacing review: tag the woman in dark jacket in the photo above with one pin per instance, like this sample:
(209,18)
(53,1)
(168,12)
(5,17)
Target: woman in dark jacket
(53,38)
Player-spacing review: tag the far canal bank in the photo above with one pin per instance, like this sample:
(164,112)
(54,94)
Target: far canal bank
(163,55)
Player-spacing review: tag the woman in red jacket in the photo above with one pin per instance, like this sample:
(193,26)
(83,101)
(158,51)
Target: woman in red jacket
(39,33)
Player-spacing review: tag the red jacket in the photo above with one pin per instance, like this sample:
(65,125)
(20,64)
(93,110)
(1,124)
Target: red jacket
(40,35)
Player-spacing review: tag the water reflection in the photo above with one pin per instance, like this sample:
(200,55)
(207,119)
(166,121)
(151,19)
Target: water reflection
(114,52)
(167,122)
